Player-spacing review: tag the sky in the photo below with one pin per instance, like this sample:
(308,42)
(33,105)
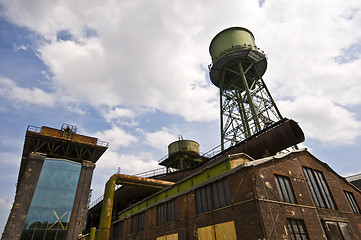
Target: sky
(134,73)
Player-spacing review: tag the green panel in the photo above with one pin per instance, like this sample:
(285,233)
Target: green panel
(179,187)
(229,38)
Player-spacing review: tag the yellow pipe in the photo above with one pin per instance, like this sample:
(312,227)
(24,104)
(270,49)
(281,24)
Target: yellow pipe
(92,233)
(107,205)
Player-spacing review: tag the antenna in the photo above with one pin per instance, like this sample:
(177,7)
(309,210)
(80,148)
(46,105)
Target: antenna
(246,105)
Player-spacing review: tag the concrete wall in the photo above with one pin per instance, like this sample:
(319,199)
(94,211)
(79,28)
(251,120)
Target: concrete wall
(78,215)
(23,197)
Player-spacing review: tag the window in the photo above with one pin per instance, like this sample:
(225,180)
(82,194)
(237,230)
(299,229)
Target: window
(352,201)
(319,189)
(117,230)
(297,229)
(167,212)
(212,196)
(52,203)
(337,230)
(285,189)
(138,222)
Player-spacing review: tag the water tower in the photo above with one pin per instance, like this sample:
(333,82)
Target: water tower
(246,105)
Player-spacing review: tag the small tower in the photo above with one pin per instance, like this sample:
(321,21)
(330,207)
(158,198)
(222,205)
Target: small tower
(182,154)
(246,106)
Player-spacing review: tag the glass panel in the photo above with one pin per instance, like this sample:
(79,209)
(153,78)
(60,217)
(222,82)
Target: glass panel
(215,196)
(352,201)
(324,189)
(345,231)
(226,192)
(290,193)
(52,203)
(204,200)
(209,197)
(284,189)
(222,199)
(314,188)
(297,229)
(279,188)
(333,230)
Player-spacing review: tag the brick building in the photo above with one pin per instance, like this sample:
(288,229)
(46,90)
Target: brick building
(287,196)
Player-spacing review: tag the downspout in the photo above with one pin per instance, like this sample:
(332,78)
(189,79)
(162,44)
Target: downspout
(107,205)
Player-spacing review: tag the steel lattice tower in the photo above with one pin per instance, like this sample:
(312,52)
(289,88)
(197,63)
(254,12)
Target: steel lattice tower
(246,105)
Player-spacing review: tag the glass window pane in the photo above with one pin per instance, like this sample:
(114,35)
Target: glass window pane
(215,196)
(314,187)
(222,198)
(209,198)
(345,231)
(324,189)
(53,200)
(204,200)
(297,229)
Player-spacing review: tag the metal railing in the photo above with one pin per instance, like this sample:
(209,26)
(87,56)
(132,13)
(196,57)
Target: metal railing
(39,130)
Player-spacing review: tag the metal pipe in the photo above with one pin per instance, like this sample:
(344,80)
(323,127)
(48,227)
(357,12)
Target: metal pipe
(108,200)
(92,233)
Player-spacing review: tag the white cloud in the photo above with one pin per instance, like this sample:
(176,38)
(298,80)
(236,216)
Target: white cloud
(10,90)
(4,204)
(161,139)
(323,120)
(117,113)
(116,136)
(129,164)
(159,60)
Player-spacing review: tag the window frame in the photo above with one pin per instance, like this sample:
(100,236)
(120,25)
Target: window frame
(212,196)
(319,188)
(167,212)
(285,191)
(138,222)
(343,229)
(352,201)
(299,234)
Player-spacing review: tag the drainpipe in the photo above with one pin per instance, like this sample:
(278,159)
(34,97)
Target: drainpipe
(108,199)
(92,233)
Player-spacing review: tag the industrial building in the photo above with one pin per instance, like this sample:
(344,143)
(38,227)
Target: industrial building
(53,184)
(286,196)
(258,185)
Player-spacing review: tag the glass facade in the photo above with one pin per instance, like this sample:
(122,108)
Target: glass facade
(49,213)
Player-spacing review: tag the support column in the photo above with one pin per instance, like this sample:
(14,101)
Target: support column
(78,213)
(23,197)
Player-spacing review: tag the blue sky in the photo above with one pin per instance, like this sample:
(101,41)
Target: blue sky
(134,74)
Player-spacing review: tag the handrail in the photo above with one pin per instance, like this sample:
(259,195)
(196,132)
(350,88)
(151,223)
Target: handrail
(39,130)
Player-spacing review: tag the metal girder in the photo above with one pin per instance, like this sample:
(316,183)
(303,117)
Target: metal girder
(246,106)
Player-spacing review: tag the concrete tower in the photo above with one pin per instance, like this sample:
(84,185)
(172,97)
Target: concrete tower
(53,184)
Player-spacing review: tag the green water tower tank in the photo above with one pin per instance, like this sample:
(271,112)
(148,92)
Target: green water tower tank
(185,146)
(182,154)
(233,46)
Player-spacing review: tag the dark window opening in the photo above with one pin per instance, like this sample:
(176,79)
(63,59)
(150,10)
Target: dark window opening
(138,222)
(285,189)
(297,229)
(337,230)
(212,196)
(167,212)
(319,189)
(351,199)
